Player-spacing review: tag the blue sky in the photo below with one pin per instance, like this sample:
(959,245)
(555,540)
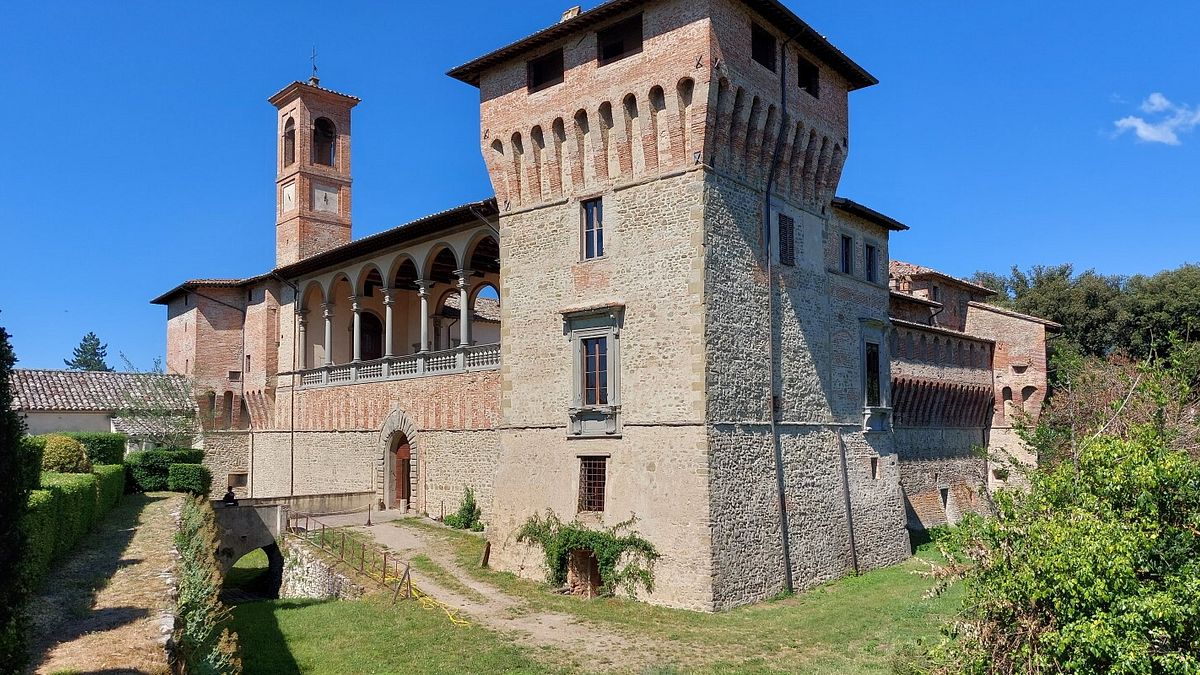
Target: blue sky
(138,145)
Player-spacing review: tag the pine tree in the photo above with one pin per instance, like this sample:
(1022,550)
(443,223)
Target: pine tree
(13,497)
(89,355)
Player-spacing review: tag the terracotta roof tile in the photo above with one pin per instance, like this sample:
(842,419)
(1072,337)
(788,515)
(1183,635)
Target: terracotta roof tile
(97,391)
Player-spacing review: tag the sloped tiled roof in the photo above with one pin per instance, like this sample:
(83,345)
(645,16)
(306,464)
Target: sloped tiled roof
(486,309)
(897,269)
(83,391)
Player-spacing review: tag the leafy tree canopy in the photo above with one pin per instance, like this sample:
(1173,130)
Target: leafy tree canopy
(89,355)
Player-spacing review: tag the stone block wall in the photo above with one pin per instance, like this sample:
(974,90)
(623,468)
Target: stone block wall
(943,472)
(227,452)
(309,574)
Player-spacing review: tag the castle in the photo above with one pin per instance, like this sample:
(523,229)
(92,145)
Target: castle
(665,311)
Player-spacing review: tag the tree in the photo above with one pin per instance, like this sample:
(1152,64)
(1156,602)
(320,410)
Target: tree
(13,497)
(89,355)
(159,408)
(1159,306)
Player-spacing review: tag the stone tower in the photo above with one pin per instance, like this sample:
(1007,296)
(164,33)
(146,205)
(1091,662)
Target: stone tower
(676,343)
(312,184)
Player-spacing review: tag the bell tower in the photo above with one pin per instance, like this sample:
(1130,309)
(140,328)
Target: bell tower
(312,184)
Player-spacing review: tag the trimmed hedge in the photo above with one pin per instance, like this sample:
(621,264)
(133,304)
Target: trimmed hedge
(149,469)
(30,461)
(65,455)
(102,447)
(191,478)
(66,508)
(204,642)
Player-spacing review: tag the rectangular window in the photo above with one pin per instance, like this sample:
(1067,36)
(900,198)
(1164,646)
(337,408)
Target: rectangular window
(809,77)
(847,255)
(787,240)
(546,71)
(762,46)
(237,480)
(874,397)
(937,295)
(595,370)
(591,483)
(871,262)
(593,229)
(619,40)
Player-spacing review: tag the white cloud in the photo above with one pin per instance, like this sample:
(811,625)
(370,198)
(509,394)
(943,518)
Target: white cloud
(1166,121)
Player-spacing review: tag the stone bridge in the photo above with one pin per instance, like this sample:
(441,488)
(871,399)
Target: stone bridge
(243,529)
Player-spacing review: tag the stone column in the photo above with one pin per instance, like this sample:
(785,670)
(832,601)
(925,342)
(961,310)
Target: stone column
(357,309)
(327,312)
(388,300)
(464,307)
(302,357)
(423,287)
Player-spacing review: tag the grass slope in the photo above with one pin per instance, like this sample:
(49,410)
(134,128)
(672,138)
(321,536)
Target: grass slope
(285,637)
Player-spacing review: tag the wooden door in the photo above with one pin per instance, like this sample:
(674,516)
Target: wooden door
(403,483)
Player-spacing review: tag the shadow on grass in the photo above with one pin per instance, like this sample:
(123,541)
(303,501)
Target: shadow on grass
(62,608)
(264,646)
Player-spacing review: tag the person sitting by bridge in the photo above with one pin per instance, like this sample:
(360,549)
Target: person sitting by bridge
(230,499)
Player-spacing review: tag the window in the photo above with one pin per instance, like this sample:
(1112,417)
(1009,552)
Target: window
(937,294)
(762,46)
(593,229)
(235,376)
(619,40)
(289,142)
(595,401)
(591,483)
(871,262)
(809,77)
(874,396)
(847,255)
(595,370)
(324,139)
(237,480)
(787,240)
(546,71)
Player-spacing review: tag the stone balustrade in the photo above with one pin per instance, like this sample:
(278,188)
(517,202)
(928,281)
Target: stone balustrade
(423,364)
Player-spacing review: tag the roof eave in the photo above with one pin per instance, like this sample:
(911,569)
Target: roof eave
(854,208)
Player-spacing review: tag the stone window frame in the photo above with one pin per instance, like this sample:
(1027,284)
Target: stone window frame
(581,488)
(875,269)
(876,419)
(845,251)
(598,420)
(600,229)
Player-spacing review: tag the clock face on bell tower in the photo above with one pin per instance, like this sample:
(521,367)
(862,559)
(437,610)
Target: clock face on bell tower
(313,178)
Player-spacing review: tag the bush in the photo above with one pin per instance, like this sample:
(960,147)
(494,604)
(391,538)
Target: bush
(18,475)
(204,642)
(191,478)
(625,560)
(1094,570)
(65,455)
(102,447)
(110,485)
(149,469)
(467,517)
(29,461)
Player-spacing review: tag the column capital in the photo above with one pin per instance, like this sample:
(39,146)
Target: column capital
(423,286)
(355,306)
(464,278)
(327,310)
(388,297)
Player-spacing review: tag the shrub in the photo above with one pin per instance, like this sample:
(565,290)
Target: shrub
(110,485)
(191,478)
(149,469)
(467,517)
(102,447)
(76,505)
(625,560)
(204,642)
(17,474)
(1094,570)
(65,455)
(29,461)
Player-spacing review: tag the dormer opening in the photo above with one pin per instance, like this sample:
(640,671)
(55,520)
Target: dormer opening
(619,40)
(546,70)
(762,46)
(324,141)
(808,76)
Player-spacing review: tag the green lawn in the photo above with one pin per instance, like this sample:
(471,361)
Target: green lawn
(284,637)
(853,625)
(247,570)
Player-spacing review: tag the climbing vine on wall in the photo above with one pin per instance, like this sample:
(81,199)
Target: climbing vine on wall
(625,560)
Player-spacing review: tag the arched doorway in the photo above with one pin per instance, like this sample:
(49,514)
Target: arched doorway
(401,460)
(371,335)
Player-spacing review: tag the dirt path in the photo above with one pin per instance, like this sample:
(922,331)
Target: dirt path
(104,609)
(600,647)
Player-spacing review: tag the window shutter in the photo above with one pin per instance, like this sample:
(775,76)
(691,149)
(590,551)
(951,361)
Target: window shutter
(787,240)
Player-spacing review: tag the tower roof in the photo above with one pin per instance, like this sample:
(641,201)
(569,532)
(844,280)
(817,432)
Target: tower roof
(772,10)
(298,87)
